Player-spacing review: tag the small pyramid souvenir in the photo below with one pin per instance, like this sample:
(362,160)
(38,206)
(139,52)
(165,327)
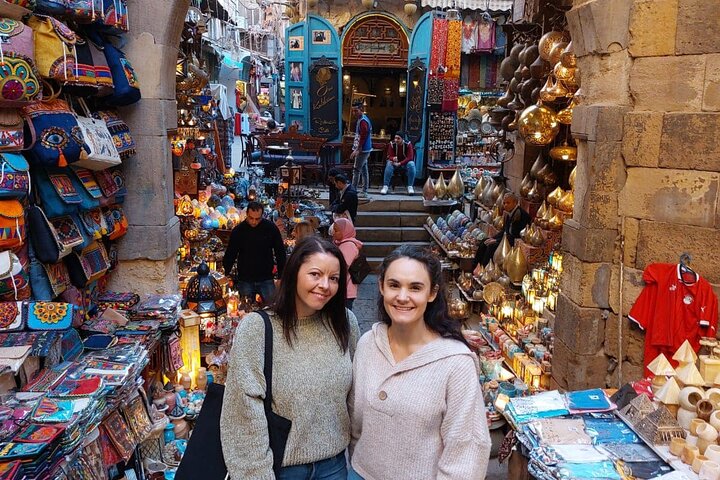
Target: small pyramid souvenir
(669,393)
(661,366)
(660,427)
(689,375)
(638,408)
(685,354)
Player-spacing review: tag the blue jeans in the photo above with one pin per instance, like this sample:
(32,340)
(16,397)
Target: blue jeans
(334,468)
(360,171)
(265,288)
(353,475)
(390,170)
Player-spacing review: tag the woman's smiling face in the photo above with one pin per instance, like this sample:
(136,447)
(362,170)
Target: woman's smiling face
(407,290)
(317,282)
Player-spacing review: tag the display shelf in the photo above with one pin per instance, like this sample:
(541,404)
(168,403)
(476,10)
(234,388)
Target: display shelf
(439,203)
(467,296)
(439,243)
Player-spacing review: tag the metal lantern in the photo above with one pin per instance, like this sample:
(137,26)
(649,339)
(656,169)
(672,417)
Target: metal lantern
(204,294)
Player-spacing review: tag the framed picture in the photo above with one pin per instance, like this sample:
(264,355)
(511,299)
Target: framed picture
(297,124)
(296,100)
(321,37)
(296,43)
(296,71)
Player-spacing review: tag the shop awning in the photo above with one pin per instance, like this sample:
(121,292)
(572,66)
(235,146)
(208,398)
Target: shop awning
(470,4)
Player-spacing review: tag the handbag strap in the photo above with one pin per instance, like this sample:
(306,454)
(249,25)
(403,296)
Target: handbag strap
(267,368)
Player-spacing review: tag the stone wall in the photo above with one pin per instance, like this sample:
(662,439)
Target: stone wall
(648,172)
(339,12)
(147,252)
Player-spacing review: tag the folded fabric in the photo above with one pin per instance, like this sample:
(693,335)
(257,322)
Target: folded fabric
(605,431)
(561,431)
(580,454)
(594,399)
(604,470)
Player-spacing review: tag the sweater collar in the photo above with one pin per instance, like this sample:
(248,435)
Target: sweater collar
(436,350)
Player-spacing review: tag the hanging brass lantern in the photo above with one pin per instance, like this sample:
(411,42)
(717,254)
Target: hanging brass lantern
(564,152)
(571,179)
(545,174)
(456,187)
(567,57)
(559,90)
(538,125)
(546,92)
(548,41)
(441,188)
(537,165)
(499,222)
(501,252)
(554,197)
(565,115)
(477,191)
(428,189)
(556,52)
(564,73)
(516,265)
(541,210)
(567,202)
(525,185)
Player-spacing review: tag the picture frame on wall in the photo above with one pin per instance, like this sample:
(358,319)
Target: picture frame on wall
(321,37)
(297,125)
(296,71)
(296,100)
(296,43)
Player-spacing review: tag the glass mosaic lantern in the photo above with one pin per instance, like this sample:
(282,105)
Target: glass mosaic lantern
(204,294)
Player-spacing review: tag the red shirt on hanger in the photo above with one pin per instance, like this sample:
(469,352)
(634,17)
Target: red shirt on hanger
(672,308)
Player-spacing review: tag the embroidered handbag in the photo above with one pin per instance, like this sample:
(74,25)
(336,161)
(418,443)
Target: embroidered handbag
(54,47)
(14,176)
(87,266)
(116,14)
(103,77)
(57,192)
(59,139)
(100,151)
(14,284)
(94,223)
(52,239)
(119,130)
(82,81)
(11,318)
(48,315)
(127,86)
(48,280)
(117,224)
(16,8)
(12,223)
(88,189)
(12,135)
(86,11)
(19,76)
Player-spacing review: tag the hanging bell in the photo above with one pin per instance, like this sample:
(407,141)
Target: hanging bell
(440,188)
(428,189)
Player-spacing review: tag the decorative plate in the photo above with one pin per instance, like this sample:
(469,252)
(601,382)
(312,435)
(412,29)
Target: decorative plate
(475,124)
(486,128)
(462,125)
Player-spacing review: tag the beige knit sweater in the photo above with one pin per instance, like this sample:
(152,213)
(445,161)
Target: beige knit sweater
(421,418)
(311,381)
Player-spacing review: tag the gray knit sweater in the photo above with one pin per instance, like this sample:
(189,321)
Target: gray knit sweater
(311,382)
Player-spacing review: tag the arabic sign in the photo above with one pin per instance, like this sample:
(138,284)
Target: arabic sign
(415,109)
(324,96)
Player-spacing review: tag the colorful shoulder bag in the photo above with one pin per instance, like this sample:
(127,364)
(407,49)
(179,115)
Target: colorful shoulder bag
(12,223)
(59,139)
(14,282)
(127,86)
(19,77)
(103,77)
(11,318)
(47,280)
(117,223)
(48,315)
(14,176)
(12,134)
(119,130)
(57,192)
(100,151)
(89,265)
(87,187)
(116,14)
(82,82)
(54,47)
(16,8)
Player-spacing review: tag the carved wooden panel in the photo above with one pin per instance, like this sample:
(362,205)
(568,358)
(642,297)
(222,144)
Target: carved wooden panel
(376,41)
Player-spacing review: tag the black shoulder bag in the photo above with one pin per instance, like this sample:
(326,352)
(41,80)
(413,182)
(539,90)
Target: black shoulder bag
(278,427)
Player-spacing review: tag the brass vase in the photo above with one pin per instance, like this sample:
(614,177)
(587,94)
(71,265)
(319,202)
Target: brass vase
(567,202)
(525,185)
(571,179)
(537,165)
(440,188)
(428,189)
(501,252)
(516,265)
(456,187)
(498,191)
(554,197)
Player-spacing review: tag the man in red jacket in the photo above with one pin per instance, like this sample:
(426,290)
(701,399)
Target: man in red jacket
(400,155)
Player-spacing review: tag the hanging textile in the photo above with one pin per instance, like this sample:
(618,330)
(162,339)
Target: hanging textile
(486,36)
(500,40)
(453,51)
(470,33)
(474,81)
(439,44)
(451,86)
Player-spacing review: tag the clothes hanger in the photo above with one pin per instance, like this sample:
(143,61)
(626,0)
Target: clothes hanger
(684,266)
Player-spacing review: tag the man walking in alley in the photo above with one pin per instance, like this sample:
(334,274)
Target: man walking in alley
(256,247)
(362,145)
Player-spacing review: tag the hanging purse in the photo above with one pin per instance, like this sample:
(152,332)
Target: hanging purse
(11,318)
(56,191)
(87,266)
(12,134)
(54,47)
(117,224)
(94,223)
(116,14)
(12,224)
(119,130)
(86,11)
(14,176)
(82,82)
(14,283)
(87,187)
(52,239)
(127,86)
(103,76)
(47,280)
(48,315)
(19,76)
(100,151)
(59,139)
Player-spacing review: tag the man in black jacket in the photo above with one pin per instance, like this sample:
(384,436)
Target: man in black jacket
(347,201)
(515,220)
(256,246)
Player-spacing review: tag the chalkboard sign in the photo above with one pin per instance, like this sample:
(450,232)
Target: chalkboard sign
(324,98)
(415,109)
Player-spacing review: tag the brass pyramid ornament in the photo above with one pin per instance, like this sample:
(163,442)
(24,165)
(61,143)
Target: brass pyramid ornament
(537,165)
(479,188)
(536,237)
(428,189)
(525,185)
(685,354)
(541,210)
(441,188)
(661,366)
(554,197)
(534,194)
(688,375)
(501,252)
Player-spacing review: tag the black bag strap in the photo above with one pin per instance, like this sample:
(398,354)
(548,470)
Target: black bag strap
(267,368)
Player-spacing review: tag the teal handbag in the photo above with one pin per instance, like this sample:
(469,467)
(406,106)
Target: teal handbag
(48,315)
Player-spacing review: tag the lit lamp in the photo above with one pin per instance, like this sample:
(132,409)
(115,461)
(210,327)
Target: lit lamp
(402,88)
(204,294)
(190,341)
(552,301)
(410,7)
(533,376)
(290,173)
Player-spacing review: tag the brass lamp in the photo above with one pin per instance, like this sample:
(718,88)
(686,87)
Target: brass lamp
(538,125)
(564,152)
(204,294)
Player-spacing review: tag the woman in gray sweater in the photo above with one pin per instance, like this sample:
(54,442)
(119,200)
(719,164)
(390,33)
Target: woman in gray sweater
(314,340)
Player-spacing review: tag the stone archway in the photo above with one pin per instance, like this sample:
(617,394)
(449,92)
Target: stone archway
(147,252)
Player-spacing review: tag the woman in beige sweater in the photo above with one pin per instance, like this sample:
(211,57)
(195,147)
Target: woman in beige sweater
(416,407)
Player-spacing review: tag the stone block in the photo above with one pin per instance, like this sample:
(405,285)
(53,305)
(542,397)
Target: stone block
(698,27)
(577,372)
(600,178)
(652,28)
(150,242)
(690,141)
(146,276)
(163,20)
(664,242)
(632,286)
(581,329)
(149,182)
(711,92)
(600,26)
(641,138)
(633,340)
(598,122)
(686,197)
(585,284)
(630,373)
(668,84)
(606,78)
(151,116)
(154,65)
(632,231)
(588,244)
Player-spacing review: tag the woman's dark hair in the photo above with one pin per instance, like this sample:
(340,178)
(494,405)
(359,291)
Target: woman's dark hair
(334,314)
(436,315)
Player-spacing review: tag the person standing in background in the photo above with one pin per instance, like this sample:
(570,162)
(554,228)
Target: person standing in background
(362,146)
(343,235)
